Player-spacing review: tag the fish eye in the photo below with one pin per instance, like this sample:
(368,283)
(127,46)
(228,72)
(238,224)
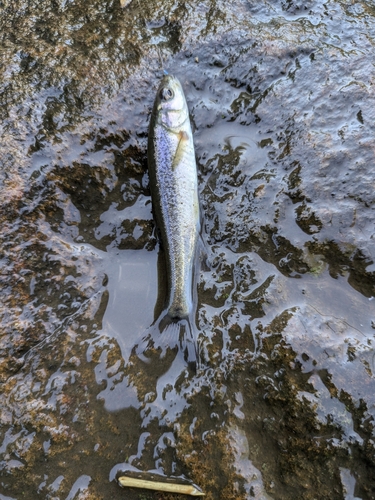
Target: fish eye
(166,94)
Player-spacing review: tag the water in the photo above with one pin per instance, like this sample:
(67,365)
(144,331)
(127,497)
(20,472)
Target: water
(280,95)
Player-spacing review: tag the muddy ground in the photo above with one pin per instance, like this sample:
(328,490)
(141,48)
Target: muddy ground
(281,96)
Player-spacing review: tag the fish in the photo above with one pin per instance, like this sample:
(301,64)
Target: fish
(174,192)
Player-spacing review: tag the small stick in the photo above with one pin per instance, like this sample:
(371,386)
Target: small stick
(184,489)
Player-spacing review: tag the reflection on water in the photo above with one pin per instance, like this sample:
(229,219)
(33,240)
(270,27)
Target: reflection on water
(132,279)
(282,403)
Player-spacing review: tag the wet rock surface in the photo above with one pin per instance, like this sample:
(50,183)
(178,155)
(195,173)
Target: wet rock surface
(281,96)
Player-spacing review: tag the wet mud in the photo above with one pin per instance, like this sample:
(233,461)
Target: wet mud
(281,98)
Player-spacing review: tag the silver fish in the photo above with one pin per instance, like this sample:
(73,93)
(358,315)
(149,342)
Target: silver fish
(174,192)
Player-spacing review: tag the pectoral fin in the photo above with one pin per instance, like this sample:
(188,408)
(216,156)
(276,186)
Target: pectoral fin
(183,138)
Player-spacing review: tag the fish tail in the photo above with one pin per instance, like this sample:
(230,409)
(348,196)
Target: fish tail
(189,344)
(166,335)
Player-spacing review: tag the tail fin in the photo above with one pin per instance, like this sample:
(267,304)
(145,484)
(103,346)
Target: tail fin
(168,334)
(188,344)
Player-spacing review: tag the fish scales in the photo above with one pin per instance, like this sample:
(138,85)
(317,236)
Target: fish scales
(174,190)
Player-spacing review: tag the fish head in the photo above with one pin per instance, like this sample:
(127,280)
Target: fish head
(170,104)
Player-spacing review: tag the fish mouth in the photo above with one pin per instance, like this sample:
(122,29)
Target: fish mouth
(168,79)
